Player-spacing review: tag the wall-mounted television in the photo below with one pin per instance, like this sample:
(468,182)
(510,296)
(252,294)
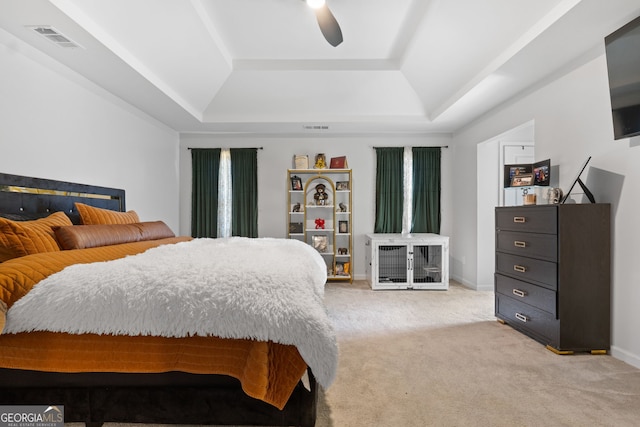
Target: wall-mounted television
(623,65)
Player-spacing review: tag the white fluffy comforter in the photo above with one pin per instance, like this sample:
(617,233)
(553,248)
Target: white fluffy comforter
(263,289)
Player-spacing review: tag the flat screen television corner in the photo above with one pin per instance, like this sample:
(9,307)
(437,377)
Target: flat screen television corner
(579,181)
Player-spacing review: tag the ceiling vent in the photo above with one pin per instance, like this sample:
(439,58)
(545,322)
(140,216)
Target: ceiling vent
(54,36)
(315,127)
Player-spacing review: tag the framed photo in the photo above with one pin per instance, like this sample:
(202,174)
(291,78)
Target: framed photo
(296,183)
(522,180)
(511,171)
(342,185)
(343,226)
(320,242)
(542,172)
(295,227)
(301,161)
(338,162)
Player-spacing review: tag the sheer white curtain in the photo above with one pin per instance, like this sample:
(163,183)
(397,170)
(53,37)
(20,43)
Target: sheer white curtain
(408,190)
(224,194)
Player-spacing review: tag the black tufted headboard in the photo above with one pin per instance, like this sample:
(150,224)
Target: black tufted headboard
(24,197)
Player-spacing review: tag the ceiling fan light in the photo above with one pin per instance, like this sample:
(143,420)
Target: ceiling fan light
(315,4)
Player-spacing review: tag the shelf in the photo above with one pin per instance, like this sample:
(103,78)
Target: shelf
(337,187)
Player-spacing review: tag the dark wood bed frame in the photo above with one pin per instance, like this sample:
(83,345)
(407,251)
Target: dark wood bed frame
(167,398)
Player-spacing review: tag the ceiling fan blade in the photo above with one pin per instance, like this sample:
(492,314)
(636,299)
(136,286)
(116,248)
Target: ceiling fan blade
(329,26)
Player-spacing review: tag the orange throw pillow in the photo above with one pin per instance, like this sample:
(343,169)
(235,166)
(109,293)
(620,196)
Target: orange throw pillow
(90,215)
(20,238)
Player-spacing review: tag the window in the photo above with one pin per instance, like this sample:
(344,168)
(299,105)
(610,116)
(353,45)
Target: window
(224,198)
(408,190)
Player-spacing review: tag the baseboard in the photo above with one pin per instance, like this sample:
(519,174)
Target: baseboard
(468,284)
(625,356)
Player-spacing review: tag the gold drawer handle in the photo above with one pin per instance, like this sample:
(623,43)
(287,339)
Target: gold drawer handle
(522,317)
(519,244)
(519,293)
(520,268)
(519,219)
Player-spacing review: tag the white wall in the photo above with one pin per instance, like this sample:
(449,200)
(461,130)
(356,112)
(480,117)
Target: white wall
(572,121)
(276,158)
(56,127)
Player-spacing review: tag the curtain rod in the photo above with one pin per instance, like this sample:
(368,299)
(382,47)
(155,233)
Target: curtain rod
(417,146)
(213,148)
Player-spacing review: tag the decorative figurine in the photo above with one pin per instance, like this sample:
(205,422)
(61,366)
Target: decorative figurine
(343,207)
(319,223)
(296,207)
(321,195)
(321,161)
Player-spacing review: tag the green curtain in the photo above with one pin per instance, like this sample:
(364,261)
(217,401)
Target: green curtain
(426,190)
(244,198)
(389,195)
(205,163)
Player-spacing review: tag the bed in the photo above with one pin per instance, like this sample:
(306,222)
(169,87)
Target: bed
(139,354)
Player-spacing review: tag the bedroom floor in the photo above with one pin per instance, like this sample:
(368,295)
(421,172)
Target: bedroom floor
(439,358)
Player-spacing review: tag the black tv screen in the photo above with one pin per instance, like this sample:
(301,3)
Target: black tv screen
(623,65)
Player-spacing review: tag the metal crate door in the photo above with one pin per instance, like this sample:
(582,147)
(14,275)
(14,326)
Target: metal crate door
(427,263)
(392,264)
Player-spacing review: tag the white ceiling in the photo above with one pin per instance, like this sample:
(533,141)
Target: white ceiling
(263,65)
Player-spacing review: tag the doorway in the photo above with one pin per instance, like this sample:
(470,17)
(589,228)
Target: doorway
(492,155)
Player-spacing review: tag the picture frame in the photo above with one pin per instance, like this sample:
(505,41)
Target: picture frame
(542,173)
(338,162)
(295,228)
(296,183)
(301,161)
(522,180)
(342,186)
(320,242)
(511,171)
(343,227)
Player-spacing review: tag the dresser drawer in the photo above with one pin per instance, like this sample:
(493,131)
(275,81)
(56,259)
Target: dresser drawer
(542,325)
(543,246)
(541,272)
(528,293)
(534,219)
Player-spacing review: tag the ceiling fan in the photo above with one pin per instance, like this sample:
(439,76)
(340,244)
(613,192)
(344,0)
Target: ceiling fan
(328,24)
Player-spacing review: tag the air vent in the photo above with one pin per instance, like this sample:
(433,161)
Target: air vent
(54,36)
(315,127)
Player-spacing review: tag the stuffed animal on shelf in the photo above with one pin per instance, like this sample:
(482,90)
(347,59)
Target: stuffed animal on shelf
(321,197)
(319,223)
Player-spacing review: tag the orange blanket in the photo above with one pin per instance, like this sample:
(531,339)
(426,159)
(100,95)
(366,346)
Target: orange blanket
(266,370)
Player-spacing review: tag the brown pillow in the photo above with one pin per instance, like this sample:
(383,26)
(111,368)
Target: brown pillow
(154,230)
(91,236)
(20,238)
(90,215)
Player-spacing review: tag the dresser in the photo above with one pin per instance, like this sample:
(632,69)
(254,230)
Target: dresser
(553,274)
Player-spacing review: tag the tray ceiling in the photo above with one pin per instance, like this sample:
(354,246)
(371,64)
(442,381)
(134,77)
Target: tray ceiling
(263,65)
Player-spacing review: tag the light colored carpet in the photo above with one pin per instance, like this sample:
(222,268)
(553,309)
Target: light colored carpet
(439,358)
